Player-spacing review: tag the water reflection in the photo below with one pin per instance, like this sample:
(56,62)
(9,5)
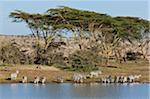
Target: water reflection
(74,91)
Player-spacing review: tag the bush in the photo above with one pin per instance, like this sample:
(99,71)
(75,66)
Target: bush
(49,57)
(84,60)
(10,54)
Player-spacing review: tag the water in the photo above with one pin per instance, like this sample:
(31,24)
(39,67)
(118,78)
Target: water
(71,91)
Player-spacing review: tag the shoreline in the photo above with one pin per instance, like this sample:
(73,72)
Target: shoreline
(75,83)
(70,82)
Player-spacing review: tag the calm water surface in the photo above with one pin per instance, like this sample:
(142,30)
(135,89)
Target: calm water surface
(72,91)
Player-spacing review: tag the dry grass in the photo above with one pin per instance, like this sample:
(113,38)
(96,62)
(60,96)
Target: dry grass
(129,68)
(31,71)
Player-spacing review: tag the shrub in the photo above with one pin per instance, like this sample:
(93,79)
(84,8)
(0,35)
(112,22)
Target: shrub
(10,54)
(84,60)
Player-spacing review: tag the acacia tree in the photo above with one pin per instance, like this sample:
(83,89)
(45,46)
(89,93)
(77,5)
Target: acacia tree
(105,40)
(41,28)
(144,43)
(41,25)
(76,21)
(102,30)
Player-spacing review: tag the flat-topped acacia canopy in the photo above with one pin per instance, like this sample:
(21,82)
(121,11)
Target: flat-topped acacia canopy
(76,20)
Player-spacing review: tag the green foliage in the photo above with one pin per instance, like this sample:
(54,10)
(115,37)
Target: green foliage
(56,59)
(48,57)
(63,17)
(84,60)
(128,27)
(10,54)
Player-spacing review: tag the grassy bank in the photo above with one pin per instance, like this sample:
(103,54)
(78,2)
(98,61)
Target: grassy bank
(51,73)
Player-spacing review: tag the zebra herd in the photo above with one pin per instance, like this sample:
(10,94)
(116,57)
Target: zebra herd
(80,78)
(120,79)
(37,79)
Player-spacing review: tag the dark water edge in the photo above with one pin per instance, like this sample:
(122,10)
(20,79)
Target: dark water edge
(74,91)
